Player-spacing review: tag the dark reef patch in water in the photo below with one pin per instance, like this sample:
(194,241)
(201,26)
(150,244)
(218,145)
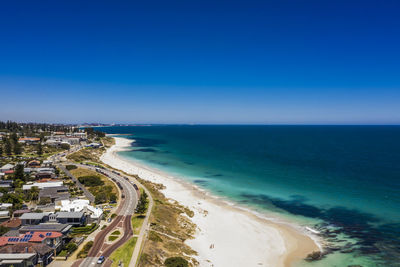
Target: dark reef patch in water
(374,237)
(144,150)
(215,175)
(147,142)
(202,182)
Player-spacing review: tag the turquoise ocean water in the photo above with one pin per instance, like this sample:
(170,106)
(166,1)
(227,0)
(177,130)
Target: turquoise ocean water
(342,180)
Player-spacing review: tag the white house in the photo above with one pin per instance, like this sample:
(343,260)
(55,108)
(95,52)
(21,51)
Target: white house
(81,205)
(7,167)
(28,186)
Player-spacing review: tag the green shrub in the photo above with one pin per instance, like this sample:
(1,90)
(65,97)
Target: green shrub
(116,232)
(83,253)
(71,247)
(176,262)
(91,180)
(71,167)
(112,237)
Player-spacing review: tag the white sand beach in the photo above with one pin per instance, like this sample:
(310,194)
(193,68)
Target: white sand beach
(226,235)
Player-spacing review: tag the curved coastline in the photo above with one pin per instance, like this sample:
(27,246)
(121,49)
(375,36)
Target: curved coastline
(227,235)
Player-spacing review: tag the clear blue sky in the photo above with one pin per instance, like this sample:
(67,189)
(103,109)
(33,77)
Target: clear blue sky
(201,61)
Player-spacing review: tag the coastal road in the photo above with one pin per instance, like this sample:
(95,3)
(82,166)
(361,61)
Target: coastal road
(123,220)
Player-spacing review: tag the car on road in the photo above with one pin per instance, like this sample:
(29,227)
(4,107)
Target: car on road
(100,260)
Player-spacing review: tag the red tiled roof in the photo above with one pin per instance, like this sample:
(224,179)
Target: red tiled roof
(13,223)
(28,237)
(45,180)
(9,172)
(29,139)
(21,211)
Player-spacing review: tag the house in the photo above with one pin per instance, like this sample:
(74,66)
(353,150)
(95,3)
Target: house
(72,218)
(42,253)
(39,185)
(45,174)
(6,184)
(4,215)
(72,140)
(18,213)
(47,163)
(7,167)
(53,142)
(34,218)
(29,140)
(18,259)
(51,239)
(34,164)
(82,136)
(55,194)
(12,224)
(82,205)
(5,206)
(46,227)
(94,145)
(9,172)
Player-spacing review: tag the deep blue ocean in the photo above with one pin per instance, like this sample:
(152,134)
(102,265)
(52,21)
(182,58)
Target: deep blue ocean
(342,180)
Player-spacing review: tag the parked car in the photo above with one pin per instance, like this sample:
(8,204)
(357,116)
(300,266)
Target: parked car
(100,260)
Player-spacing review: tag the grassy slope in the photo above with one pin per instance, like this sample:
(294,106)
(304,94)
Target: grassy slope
(170,227)
(85,172)
(124,253)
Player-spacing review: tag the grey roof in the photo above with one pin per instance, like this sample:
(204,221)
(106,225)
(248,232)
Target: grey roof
(66,214)
(12,233)
(32,216)
(8,256)
(46,227)
(45,170)
(59,192)
(7,166)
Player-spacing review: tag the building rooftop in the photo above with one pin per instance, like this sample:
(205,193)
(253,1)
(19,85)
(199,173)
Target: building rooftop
(13,223)
(10,256)
(63,214)
(7,166)
(46,227)
(33,216)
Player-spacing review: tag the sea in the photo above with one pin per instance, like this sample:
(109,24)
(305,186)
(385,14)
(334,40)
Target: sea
(342,181)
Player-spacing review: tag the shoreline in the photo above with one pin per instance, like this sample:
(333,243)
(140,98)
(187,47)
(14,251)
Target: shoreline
(226,235)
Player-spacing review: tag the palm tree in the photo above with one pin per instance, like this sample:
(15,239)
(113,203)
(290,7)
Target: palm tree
(34,193)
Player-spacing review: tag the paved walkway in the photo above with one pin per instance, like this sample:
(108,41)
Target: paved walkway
(77,183)
(143,231)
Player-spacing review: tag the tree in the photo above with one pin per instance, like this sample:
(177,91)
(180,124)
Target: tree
(44,201)
(14,138)
(176,262)
(17,148)
(141,207)
(3,230)
(34,193)
(7,147)
(40,149)
(1,149)
(71,247)
(19,172)
(65,146)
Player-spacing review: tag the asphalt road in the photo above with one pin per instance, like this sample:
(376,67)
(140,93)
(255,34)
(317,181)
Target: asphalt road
(124,214)
(127,208)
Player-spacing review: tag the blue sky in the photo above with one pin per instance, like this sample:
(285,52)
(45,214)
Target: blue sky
(301,62)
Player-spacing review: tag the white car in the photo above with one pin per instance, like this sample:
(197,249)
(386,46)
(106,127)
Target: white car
(100,260)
